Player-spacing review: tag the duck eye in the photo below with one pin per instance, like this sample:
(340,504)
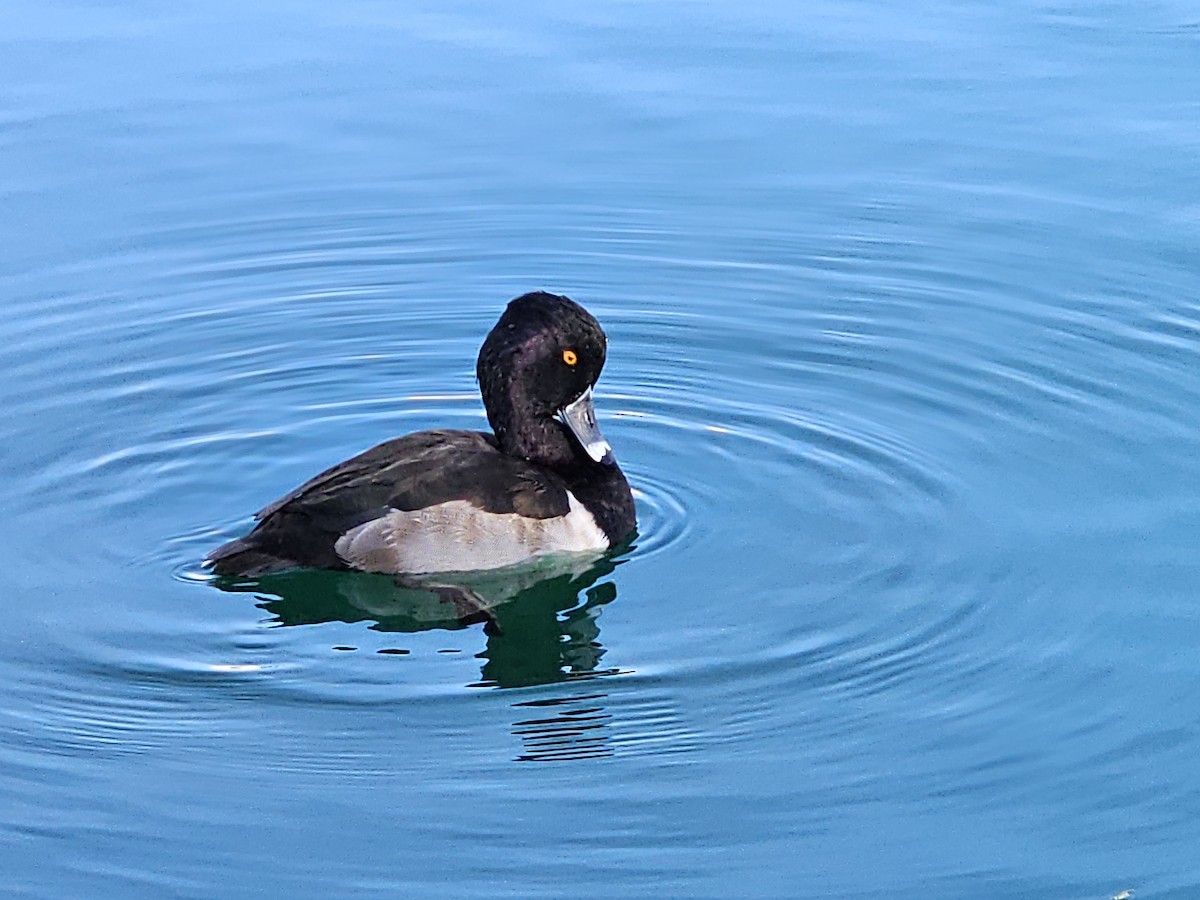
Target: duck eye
(570,357)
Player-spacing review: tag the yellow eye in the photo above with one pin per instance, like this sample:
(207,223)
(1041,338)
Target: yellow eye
(570,357)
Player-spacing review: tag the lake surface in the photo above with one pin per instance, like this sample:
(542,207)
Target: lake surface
(904,310)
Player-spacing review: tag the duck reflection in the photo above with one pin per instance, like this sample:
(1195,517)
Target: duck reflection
(541,620)
(564,728)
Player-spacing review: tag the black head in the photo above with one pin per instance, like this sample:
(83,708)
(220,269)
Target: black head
(543,355)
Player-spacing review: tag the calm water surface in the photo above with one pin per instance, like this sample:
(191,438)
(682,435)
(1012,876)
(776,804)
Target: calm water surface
(904,320)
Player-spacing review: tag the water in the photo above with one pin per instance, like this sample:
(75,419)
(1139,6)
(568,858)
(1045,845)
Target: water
(903,319)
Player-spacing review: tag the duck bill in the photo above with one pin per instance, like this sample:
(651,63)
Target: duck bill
(580,418)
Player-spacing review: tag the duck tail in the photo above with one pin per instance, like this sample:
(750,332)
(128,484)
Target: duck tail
(243,557)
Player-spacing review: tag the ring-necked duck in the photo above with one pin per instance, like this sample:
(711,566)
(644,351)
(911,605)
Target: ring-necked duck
(445,501)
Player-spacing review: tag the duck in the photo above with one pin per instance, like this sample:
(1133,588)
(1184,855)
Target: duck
(543,482)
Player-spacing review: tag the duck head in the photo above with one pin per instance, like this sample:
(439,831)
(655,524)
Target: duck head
(536,370)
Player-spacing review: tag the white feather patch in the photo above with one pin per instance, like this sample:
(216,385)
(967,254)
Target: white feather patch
(458,537)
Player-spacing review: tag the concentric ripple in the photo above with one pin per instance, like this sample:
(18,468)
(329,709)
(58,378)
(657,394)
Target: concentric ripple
(904,330)
(816,433)
(809,477)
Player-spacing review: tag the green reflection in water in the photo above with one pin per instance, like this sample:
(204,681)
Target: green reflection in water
(541,620)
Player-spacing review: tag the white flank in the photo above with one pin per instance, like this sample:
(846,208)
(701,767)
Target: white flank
(458,537)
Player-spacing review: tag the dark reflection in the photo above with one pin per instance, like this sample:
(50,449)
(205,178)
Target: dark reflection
(563,728)
(541,621)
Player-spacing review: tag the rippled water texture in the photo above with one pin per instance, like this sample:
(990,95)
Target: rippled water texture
(903,320)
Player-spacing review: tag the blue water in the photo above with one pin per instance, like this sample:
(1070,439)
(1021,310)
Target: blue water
(904,313)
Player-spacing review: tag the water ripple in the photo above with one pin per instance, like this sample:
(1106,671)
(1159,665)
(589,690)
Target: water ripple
(817,442)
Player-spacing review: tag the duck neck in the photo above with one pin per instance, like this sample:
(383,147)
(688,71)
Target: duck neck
(526,433)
